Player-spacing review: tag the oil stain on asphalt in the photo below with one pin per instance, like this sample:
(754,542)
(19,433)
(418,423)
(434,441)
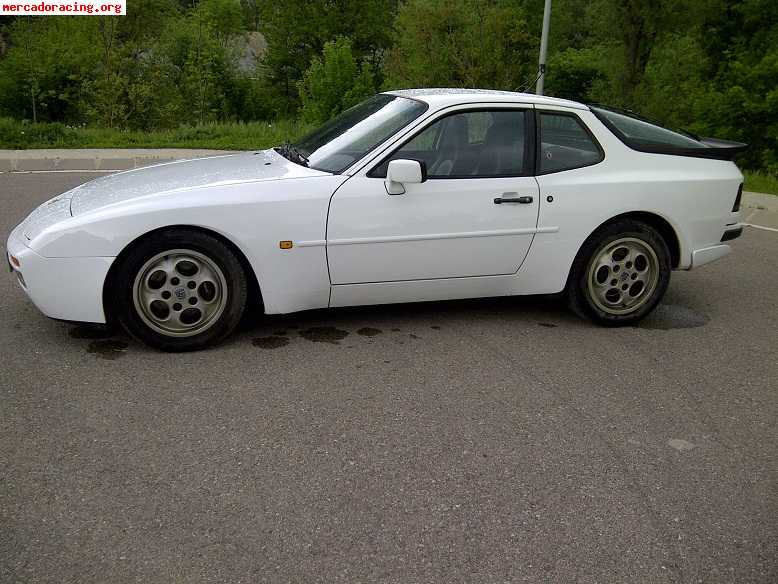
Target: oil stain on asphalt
(369,331)
(324,334)
(667,317)
(273,342)
(90,332)
(110,349)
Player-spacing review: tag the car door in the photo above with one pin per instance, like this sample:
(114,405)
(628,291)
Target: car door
(475,215)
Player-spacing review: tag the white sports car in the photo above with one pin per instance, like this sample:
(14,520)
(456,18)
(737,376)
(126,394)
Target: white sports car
(409,196)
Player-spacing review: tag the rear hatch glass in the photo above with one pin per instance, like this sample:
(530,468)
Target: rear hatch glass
(647,136)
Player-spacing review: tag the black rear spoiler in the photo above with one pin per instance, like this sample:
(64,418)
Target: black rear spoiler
(722,149)
(714,148)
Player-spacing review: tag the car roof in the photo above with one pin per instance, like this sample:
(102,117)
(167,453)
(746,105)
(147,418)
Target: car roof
(445,96)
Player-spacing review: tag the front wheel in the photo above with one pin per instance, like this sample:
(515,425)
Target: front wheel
(620,274)
(180,290)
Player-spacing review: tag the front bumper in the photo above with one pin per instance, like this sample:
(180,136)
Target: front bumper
(62,288)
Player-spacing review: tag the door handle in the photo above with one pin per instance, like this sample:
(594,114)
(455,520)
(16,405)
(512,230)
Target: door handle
(525,200)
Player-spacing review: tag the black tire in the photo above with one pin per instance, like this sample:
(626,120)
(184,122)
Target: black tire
(226,268)
(583,298)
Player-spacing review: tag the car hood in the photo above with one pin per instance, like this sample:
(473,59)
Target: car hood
(182,175)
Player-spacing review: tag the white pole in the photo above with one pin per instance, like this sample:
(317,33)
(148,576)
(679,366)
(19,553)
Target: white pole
(543,48)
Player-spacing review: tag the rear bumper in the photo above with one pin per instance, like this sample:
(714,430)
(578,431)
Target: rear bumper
(62,288)
(709,254)
(706,255)
(733,233)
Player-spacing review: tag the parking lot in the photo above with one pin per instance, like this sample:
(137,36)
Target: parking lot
(498,440)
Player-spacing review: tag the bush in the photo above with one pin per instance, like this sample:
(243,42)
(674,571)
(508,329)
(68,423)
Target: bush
(18,135)
(469,43)
(334,82)
(230,136)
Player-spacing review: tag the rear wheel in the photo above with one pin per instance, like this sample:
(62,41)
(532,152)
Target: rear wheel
(620,274)
(180,290)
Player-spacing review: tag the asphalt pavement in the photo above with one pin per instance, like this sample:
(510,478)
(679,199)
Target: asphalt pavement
(477,441)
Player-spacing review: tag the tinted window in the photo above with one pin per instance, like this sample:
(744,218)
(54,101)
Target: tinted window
(469,145)
(346,138)
(565,144)
(639,132)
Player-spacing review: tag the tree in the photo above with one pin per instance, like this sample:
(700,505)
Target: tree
(740,100)
(470,43)
(42,73)
(573,72)
(297,31)
(334,82)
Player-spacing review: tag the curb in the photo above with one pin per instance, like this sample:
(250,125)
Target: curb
(106,160)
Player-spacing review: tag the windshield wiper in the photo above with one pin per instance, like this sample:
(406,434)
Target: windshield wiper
(291,152)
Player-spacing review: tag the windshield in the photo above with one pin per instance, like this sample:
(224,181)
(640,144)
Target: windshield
(348,137)
(637,131)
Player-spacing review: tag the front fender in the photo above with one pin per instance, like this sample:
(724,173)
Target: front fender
(254,217)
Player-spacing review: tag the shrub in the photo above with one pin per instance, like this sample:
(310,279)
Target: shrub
(334,82)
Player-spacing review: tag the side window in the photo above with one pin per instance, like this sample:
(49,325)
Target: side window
(565,144)
(473,144)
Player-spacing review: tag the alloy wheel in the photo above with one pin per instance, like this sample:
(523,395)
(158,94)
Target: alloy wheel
(623,275)
(180,292)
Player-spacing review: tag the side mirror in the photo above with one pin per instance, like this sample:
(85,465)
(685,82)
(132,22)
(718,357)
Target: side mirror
(404,172)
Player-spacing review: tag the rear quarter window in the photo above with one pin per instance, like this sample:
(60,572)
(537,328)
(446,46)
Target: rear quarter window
(565,143)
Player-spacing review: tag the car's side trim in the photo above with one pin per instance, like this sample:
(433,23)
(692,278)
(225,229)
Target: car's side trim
(427,237)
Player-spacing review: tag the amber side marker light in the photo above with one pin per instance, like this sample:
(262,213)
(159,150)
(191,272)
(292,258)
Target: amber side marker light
(285,244)
(15,261)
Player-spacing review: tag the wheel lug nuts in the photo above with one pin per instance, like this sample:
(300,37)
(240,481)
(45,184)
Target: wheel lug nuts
(193,300)
(175,281)
(191,285)
(177,307)
(614,282)
(166,295)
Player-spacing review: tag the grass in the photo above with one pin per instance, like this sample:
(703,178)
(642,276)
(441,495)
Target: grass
(17,135)
(760,182)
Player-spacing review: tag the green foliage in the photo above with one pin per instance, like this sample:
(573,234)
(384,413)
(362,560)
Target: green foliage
(21,135)
(297,31)
(707,65)
(761,182)
(224,18)
(471,43)
(230,136)
(157,67)
(334,82)
(41,75)
(572,73)
(740,98)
